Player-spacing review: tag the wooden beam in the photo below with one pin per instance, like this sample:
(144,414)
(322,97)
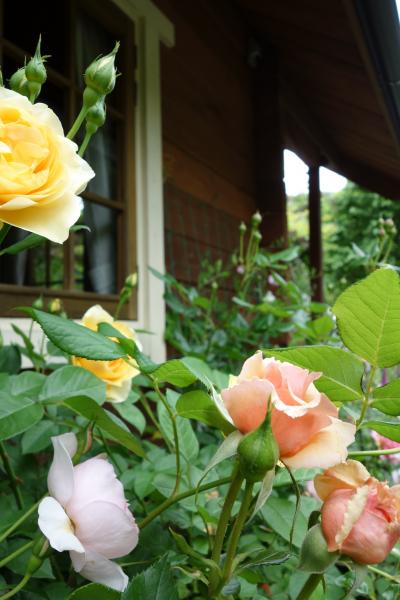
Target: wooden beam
(269,146)
(315,235)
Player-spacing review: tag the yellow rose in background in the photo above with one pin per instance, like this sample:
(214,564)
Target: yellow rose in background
(117,374)
(41,173)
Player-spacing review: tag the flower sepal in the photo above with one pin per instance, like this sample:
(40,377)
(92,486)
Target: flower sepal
(314,554)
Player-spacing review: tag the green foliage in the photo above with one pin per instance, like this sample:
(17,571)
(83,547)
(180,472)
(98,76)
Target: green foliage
(156,583)
(368,316)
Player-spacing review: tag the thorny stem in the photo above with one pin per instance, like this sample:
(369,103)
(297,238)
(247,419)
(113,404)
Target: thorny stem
(366,396)
(17,588)
(19,521)
(78,122)
(178,497)
(383,574)
(373,452)
(11,476)
(16,553)
(175,433)
(236,531)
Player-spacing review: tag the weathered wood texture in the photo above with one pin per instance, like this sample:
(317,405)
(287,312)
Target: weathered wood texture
(208,133)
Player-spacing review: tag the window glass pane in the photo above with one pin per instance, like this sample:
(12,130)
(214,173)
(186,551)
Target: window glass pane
(102,155)
(24,21)
(95,252)
(41,266)
(92,39)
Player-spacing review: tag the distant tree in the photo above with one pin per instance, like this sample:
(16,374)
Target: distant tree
(357,237)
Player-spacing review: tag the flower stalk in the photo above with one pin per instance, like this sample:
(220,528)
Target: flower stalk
(11,476)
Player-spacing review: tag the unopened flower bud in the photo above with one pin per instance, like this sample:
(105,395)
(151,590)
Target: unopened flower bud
(389,222)
(240,269)
(214,285)
(95,117)
(242,227)
(19,83)
(314,554)
(35,73)
(256,219)
(258,451)
(38,303)
(131,281)
(100,77)
(55,306)
(257,236)
(381,232)
(381,221)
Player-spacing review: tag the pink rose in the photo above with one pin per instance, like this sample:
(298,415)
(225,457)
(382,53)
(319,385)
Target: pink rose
(87,514)
(385,444)
(304,422)
(360,515)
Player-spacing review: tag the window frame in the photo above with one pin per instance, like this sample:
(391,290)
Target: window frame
(77,301)
(152,29)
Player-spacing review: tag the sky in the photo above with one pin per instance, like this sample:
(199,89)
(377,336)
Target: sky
(296,176)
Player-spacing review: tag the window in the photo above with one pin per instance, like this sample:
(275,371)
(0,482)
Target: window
(90,267)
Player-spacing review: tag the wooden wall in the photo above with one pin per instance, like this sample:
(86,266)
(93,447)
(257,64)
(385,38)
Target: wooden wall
(208,133)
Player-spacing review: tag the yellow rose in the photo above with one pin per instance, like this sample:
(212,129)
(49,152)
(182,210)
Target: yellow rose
(117,374)
(40,170)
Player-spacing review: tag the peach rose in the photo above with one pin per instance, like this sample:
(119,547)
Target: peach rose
(360,515)
(41,172)
(117,374)
(304,422)
(385,444)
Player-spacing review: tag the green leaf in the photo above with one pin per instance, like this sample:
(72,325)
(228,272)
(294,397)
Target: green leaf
(279,514)
(265,557)
(38,438)
(132,414)
(17,415)
(342,371)
(188,443)
(94,591)
(387,398)
(155,583)
(199,406)
(75,339)
(73,381)
(32,240)
(10,359)
(28,383)
(88,408)
(176,373)
(368,315)
(389,430)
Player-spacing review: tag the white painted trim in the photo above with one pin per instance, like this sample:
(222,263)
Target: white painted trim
(152,28)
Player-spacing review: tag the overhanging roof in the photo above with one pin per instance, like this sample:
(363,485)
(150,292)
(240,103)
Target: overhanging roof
(338,63)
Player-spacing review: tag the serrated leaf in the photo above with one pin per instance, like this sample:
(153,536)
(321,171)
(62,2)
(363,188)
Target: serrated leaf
(38,438)
(341,371)
(389,430)
(94,591)
(88,408)
(17,415)
(227,449)
(155,583)
(199,406)
(75,339)
(176,373)
(387,398)
(71,381)
(368,315)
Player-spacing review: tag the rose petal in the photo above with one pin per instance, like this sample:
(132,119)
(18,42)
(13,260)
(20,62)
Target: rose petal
(55,524)
(326,449)
(117,393)
(60,480)
(95,315)
(348,475)
(107,529)
(253,367)
(99,569)
(95,480)
(247,403)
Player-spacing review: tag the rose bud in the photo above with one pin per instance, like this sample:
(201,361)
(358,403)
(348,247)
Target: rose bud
(360,515)
(100,77)
(258,451)
(35,72)
(314,554)
(305,422)
(87,514)
(19,83)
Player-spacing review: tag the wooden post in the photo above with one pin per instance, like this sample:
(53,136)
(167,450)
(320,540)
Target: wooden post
(268,159)
(315,236)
